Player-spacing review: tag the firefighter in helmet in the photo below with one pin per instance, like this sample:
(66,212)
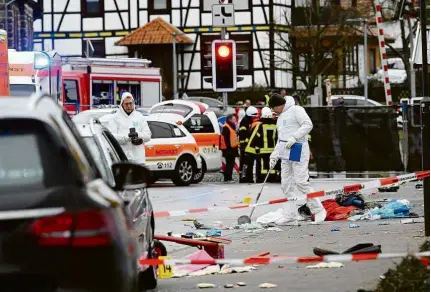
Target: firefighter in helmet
(261,143)
(244,134)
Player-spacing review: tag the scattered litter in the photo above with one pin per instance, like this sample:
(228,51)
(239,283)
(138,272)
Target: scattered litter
(267,285)
(226,270)
(392,209)
(241,284)
(228,286)
(353,226)
(280,266)
(247,200)
(205,285)
(213,232)
(188,219)
(326,265)
(335,229)
(210,270)
(200,225)
(384,223)
(251,226)
(220,225)
(412,221)
(274,229)
(278,217)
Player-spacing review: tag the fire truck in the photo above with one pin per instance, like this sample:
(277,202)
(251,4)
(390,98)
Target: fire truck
(99,82)
(31,72)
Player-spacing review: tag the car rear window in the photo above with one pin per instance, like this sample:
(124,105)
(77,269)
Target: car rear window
(179,109)
(199,124)
(30,157)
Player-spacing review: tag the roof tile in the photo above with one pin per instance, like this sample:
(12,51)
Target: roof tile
(157,31)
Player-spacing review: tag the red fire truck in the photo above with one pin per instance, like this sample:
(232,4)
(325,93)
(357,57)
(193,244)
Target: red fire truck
(97,82)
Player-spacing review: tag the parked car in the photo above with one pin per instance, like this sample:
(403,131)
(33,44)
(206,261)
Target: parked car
(201,123)
(63,226)
(172,152)
(396,72)
(354,100)
(213,104)
(106,152)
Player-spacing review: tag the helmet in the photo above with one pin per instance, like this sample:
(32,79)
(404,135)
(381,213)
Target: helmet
(266,113)
(252,111)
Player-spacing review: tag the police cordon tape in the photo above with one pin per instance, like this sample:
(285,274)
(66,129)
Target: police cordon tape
(330,193)
(284,259)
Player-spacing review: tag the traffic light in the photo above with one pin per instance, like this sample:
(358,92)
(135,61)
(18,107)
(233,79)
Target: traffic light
(224,65)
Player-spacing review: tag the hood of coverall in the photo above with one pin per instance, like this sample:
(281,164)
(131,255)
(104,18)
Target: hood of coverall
(290,101)
(123,97)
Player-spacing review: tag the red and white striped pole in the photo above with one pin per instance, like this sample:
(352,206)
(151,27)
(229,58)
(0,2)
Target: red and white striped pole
(383,56)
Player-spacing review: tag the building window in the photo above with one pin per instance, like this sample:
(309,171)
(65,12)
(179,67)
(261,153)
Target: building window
(159,6)
(99,48)
(244,48)
(372,54)
(92,8)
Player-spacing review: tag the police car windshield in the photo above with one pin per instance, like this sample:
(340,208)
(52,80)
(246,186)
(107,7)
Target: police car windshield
(22,90)
(169,108)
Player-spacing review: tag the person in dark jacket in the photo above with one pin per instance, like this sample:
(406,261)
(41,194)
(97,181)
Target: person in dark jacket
(229,145)
(244,134)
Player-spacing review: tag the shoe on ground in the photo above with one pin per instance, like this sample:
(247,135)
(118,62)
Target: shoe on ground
(320,216)
(229,181)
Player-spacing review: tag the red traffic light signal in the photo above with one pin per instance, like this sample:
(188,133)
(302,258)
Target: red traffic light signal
(223,51)
(224,65)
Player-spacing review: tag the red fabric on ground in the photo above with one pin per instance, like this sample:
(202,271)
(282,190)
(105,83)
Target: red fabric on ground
(336,212)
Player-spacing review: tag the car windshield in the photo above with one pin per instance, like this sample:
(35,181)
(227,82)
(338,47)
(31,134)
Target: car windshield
(29,157)
(22,90)
(97,155)
(170,108)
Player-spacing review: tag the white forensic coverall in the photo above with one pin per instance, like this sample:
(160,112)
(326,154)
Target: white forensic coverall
(119,125)
(294,122)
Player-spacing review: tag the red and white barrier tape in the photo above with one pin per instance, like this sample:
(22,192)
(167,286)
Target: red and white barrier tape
(284,259)
(330,193)
(383,56)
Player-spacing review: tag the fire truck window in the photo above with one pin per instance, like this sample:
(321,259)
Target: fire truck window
(71,90)
(133,87)
(103,92)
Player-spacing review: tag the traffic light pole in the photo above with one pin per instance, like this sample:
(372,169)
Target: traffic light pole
(223,37)
(425,114)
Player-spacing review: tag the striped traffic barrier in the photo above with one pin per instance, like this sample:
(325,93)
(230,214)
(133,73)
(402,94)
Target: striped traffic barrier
(319,194)
(284,259)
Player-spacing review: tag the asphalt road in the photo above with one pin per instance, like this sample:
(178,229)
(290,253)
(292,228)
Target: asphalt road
(293,241)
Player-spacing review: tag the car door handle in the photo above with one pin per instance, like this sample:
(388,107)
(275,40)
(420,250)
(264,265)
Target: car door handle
(177,146)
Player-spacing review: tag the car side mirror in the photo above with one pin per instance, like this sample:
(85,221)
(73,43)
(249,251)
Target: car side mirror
(130,176)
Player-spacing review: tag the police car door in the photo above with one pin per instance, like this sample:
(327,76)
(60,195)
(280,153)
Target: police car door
(167,147)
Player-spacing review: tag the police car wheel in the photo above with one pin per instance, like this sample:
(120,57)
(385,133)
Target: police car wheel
(184,172)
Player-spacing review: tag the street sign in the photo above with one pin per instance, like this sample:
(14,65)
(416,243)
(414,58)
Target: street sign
(223,15)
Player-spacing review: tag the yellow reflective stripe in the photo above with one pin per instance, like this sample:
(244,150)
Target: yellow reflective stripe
(243,128)
(250,149)
(265,148)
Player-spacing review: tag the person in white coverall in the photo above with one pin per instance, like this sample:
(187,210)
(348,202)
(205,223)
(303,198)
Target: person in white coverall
(130,129)
(293,126)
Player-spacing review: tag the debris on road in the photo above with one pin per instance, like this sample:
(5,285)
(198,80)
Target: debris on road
(267,285)
(228,286)
(213,232)
(412,221)
(326,265)
(353,226)
(274,229)
(205,285)
(384,223)
(241,284)
(335,229)
(392,209)
(188,219)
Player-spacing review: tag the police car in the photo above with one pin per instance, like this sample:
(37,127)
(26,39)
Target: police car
(203,126)
(171,153)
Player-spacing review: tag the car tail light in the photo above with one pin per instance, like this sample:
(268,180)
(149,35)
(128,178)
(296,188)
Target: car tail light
(82,229)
